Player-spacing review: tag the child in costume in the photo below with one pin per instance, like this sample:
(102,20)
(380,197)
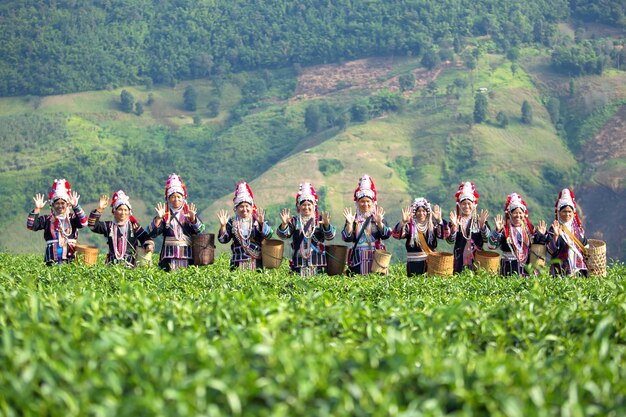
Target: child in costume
(567,243)
(124,234)
(309,231)
(247,229)
(177,221)
(421,233)
(366,228)
(468,230)
(61,225)
(514,234)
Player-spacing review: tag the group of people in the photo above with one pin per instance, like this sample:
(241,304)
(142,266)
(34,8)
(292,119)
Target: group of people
(365,229)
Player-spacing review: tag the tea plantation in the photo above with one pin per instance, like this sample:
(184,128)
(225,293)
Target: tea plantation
(108,341)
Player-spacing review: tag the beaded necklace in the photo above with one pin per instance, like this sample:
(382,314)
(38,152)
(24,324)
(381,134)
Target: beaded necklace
(465,230)
(520,248)
(306,247)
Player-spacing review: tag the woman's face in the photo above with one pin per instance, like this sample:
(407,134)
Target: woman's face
(244,210)
(517,217)
(467,206)
(420,214)
(59,206)
(122,213)
(365,205)
(175,200)
(306,208)
(566,214)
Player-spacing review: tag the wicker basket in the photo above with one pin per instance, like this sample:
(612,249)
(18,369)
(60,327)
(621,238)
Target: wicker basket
(336,259)
(538,254)
(87,255)
(203,249)
(440,264)
(144,257)
(381,261)
(595,257)
(272,253)
(487,260)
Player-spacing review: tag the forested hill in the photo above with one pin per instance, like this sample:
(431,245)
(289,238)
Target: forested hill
(52,47)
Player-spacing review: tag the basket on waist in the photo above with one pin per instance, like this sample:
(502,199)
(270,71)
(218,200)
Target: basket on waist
(203,249)
(440,264)
(595,257)
(487,260)
(272,253)
(87,254)
(336,256)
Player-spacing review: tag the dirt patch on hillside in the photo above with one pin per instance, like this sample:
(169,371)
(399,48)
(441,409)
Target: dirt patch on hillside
(610,142)
(370,74)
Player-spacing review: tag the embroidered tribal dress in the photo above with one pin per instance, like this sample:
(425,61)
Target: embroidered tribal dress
(361,255)
(467,240)
(515,249)
(567,257)
(121,239)
(60,233)
(415,253)
(309,256)
(177,232)
(246,246)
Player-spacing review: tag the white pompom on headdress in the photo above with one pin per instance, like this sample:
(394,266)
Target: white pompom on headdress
(173,185)
(120,198)
(306,192)
(366,188)
(61,189)
(420,202)
(243,194)
(513,202)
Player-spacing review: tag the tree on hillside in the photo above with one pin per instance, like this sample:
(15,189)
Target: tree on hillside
(127,101)
(527,113)
(190,98)
(502,119)
(430,59)
(138,108)
(433,89)
(480,108)
(407,81)
(312,118)
(554,110)
(214,107)
(360,111)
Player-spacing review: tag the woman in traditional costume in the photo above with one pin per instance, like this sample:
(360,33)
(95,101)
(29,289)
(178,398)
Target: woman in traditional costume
(247,230)
(421,233)
(514,235)
(177,221)
(309,231)
(61,225)
(366,227)
(567,243)
(468,230)
(124,234)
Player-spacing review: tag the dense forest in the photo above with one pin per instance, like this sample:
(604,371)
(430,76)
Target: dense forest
(59,46)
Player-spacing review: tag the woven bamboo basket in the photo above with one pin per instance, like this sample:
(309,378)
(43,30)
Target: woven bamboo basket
(595,257)
(203,249)
(487,260)
(537,255)
(381,261)
(336,256)
(86,254)
(440,264)
(144,257)
(272,253)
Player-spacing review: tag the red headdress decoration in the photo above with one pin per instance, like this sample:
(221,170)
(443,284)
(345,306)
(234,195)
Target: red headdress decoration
(366,188)
(243,194)
(566,198)
(173,185)
(513,202)
(60,189)
(467,191)
(120,198)
(306,192)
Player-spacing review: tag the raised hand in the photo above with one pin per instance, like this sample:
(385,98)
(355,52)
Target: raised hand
(499,221)
(379,216)
(260,216)
(193,211)
(454,220)
(285,216)
(556,227)
(406,215)
(223,217)
(160,209)
(326,219)
(437,213)
(40,202)
(347,213)
(103,203)
(74,197)
(482,218)
(542,227)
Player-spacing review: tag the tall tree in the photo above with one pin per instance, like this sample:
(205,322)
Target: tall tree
(527,113)
(480,108)
(190,98)
(312,118)
(127,101)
